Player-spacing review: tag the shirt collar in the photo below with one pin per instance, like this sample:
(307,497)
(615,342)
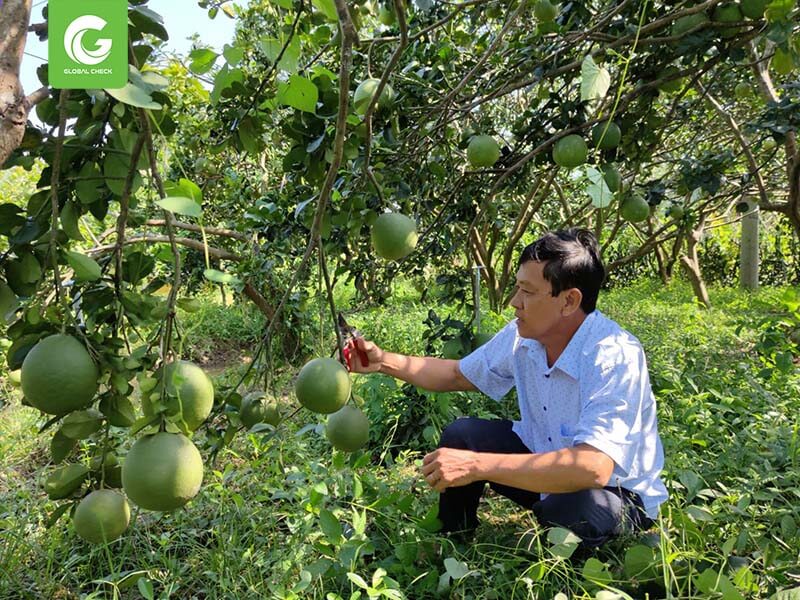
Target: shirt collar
(568,360)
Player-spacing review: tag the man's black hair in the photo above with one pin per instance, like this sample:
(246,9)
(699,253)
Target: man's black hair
(572,260)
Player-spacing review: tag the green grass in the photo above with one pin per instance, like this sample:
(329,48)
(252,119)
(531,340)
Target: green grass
(284,517)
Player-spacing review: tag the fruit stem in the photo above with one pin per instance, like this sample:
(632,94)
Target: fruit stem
(54,180)
(324,269)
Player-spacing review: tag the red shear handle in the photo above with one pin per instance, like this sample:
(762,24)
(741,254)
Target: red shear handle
(348,353)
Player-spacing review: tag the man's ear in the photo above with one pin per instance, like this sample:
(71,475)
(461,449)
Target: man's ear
(572,301)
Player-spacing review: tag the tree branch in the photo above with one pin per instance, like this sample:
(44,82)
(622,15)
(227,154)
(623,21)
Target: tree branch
(165,239)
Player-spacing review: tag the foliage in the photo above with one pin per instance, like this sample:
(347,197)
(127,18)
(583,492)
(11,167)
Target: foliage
(283,514)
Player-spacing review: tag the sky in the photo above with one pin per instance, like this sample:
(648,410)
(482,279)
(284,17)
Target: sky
(182,18)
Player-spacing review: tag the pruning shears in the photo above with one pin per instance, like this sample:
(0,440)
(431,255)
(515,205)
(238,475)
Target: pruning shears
(349,335)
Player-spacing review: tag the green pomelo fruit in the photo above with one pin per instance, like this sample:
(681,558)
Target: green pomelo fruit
(635,209)
(453,349)
(570,151)
(753,9)
(386,16)
(728,13)
(394,236)
(65,481)
(102,516)
(545,11)
(17,281)
(684,24)
(8,302)
(323,385)
(366,90)
(769,144)
(481,338)
(675,211)
(14,377)
(58,375)
(257,407)
(347,429)
(483,151)
(606,139)
(742,90)
(162,471)
(189,390)
(612,178)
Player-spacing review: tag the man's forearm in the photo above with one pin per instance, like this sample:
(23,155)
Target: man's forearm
(558,472)
(432,374)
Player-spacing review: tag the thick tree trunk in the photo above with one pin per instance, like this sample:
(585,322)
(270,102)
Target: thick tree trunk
(14,105)
(748,256)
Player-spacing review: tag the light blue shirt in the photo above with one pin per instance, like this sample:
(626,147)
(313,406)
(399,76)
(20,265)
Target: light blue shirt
(597,393)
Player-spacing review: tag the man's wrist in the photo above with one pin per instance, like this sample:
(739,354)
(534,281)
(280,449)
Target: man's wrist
(480,466)
(382,363)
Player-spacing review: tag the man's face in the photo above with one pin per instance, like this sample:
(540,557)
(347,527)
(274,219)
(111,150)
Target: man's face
(537,310)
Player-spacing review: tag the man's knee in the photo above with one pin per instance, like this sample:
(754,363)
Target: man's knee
(594,515)
(458,434)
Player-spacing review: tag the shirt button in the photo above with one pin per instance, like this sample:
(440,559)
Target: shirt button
(549,439)
(547,374)
(544,407)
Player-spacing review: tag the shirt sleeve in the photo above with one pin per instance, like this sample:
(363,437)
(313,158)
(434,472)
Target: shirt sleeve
(612,401)
(490,367)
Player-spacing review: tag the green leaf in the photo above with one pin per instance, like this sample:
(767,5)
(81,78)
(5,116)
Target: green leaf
(82,424)
(455,568)
(328,8)
(282,3)
(598,189)
(61,446)
(57,514)
(639,563)
(248,136)
(69,221)
(203,60)
(228,10)
(358,580)
(86,269)
(298,93)
(699,513)
(185,188)
(181,206)
(115,170)
(145,588)
(564,542)
(233,54)
(330,526)
(291,55)
(134,96)
(224,79)
(143,422)
(220,277)
(594,80)
(596,571)
(790,594)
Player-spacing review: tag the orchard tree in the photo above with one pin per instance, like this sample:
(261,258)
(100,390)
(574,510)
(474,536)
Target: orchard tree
(369,140)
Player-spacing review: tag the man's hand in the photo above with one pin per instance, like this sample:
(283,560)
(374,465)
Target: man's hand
(367,349)
(450,467)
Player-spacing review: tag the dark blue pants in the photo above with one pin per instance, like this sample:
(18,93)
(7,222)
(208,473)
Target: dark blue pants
(594,515)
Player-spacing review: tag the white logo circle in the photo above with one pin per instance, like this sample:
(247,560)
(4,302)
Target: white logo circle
(73,41)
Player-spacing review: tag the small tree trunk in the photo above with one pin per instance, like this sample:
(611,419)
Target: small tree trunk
(691,263)
(748,256)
